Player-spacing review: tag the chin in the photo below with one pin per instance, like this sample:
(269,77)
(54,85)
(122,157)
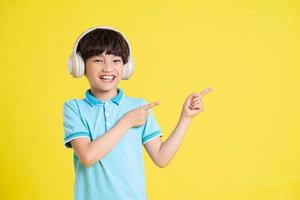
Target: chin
(99,85)
(105,88)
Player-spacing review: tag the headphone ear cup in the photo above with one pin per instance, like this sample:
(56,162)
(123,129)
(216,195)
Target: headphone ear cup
(76,65)
(81,65)
(128,69)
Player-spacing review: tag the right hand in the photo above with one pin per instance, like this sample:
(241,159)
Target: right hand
(138,116)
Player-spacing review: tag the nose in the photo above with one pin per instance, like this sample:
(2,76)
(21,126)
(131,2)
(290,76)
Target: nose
(106,66)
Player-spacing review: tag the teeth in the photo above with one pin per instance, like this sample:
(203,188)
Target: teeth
(107,77)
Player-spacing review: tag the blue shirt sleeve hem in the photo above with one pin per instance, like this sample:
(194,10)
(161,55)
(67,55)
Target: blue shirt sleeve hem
(73,136)
(151,136)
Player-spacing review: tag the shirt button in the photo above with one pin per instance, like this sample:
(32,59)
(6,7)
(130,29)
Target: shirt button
(108,123)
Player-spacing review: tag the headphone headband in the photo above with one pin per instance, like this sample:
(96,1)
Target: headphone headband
(94,28)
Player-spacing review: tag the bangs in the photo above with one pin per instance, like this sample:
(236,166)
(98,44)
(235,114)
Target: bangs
(99,40)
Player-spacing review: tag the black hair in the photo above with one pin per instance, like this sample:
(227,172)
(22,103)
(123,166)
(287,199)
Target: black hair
(101,39)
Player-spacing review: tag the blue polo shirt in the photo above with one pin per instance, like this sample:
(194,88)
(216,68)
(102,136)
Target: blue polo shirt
(120,174)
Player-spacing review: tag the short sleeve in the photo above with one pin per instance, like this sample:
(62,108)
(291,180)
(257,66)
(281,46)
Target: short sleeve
(151,128)
(74,126)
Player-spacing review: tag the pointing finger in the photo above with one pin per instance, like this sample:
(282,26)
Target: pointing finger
(205,91)
(150,105)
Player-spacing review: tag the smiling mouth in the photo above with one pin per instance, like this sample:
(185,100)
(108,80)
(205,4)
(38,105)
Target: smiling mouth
(107,78)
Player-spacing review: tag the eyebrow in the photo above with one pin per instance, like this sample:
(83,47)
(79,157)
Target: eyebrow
(101,56)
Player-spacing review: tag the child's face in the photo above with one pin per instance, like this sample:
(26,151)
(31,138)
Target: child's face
(98,66)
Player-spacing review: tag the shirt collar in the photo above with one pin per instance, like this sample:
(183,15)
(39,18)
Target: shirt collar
(95,101)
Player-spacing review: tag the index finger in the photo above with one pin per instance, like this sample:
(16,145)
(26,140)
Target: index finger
(205,91)
(150,105)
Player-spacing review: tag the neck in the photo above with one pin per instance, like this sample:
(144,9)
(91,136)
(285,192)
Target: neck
(104,95)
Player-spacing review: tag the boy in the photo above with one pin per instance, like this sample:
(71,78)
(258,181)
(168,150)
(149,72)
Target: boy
(106,128)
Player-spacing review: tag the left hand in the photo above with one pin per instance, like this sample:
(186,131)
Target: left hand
(193,104)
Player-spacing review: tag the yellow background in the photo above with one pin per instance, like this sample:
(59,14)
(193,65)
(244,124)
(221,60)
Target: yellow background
(245,145)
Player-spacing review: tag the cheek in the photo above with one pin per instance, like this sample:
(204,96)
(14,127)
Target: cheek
(91,73)
(92,70)
(120,70)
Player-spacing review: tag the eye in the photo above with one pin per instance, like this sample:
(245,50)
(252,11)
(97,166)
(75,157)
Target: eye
(98,60)
(117,60)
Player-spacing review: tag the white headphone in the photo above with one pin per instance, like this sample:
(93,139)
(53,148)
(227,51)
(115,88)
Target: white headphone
(76,64)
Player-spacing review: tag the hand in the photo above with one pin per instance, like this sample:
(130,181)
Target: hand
(138,116)
(193,104)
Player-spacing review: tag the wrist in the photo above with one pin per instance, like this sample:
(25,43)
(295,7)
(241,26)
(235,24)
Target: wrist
(185,119)
(125,123)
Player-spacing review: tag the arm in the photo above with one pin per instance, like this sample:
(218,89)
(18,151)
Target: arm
(162,152)
(91,152)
